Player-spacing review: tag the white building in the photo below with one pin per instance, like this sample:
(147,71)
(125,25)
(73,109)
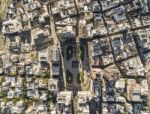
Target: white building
(64,101)
(83,98)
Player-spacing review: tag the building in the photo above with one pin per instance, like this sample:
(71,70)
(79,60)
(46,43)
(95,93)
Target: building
(66,33)
(55,60)
(42,39)
(43,56)
(53,87)
(137,92)
(64,102)
(84,97)
(133,67)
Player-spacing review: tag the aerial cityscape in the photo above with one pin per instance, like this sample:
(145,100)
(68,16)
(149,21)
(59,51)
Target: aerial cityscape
(75,57)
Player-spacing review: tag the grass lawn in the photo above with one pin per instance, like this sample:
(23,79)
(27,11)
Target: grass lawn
(1,18)
(44,74)
(69,77)
(2,79)
(69,52)
(80,77)
(82,53)
(1,43)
